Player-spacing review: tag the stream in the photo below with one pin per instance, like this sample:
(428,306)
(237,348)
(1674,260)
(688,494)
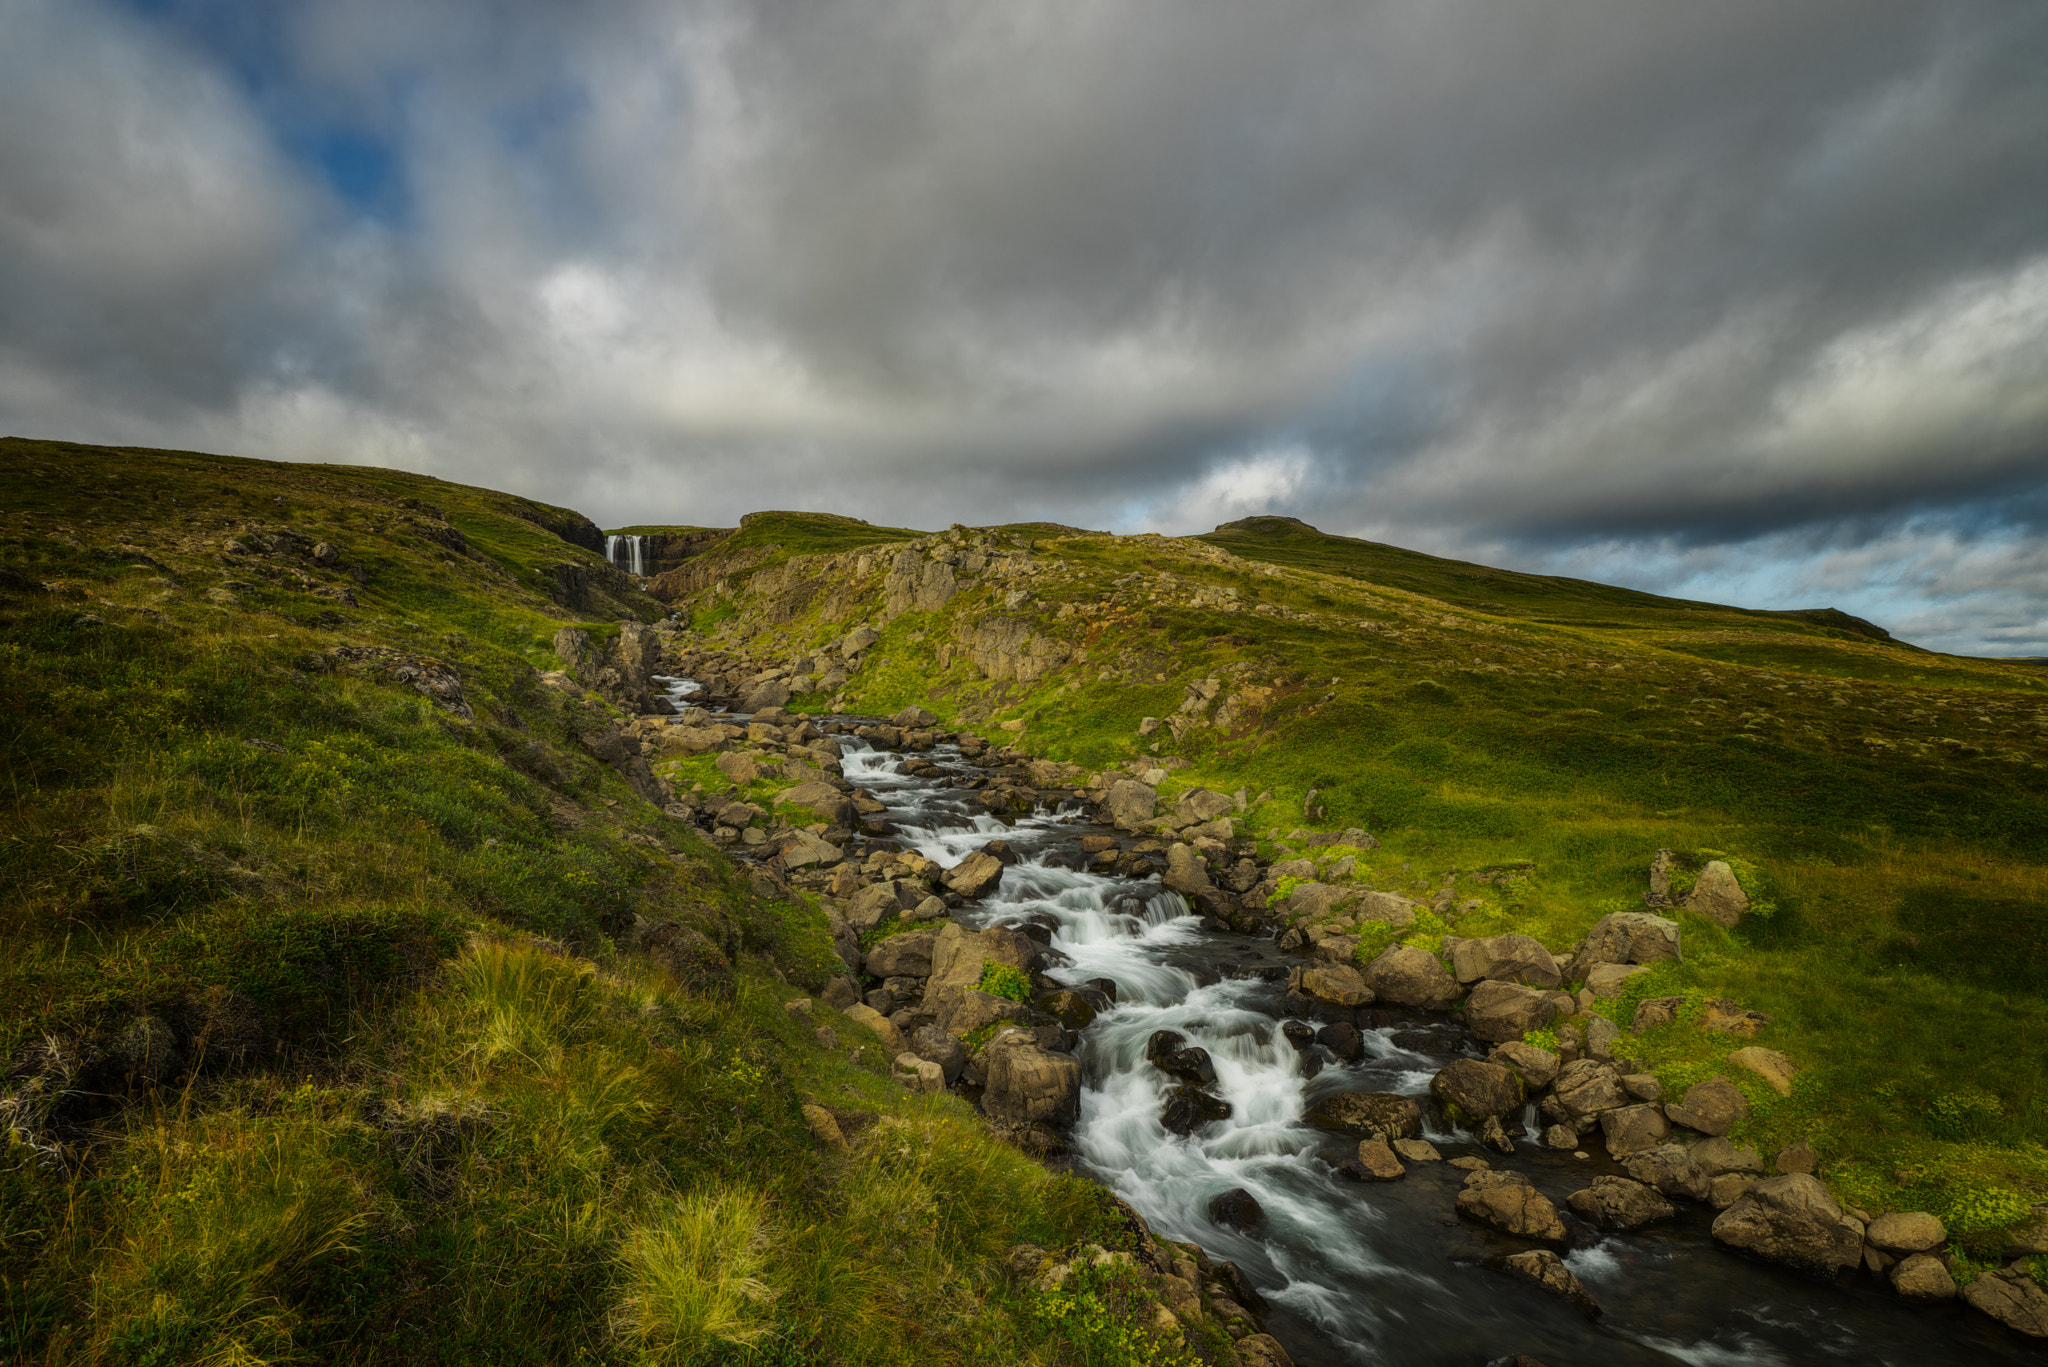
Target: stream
(1381,1273)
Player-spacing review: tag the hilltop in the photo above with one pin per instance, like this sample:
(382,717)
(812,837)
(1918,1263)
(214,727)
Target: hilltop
(375,930)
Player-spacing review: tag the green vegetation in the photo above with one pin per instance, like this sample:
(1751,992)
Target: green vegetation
(325,1037)
(1001,980)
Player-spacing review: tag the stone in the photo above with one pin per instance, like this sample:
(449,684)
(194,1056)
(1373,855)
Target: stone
(1417,1151)
(1626,937)
(1793,1220)
(1236,1209)
(919,1074)
(914,717)
(1186,871)
(1711,1107)
(1494,1135)
(1730,1187)
(1798,1156)
(2012,1298)
(1768,1064)
(1508,1202)
(930,1042)
(1730,1018)
(1548,1271)
(1606,980)
(1202,805)
(824,1128)
(974,876)
(146,1051)
(1470,1091)
(1407,976)
(1587,1087)
(1912,1231)
(1560,1137)
(1601,1033)
(1505,958)
(1538,1067)
(1188,1108)
(884,1029)
(1921,1277)
(1501,1011)
(1643,1086)
(877,902)
(963,1013)
(1631,1129)
(802,849)
(765,696)
(1378,1161)
(1028,1085)
(1653,1012)
(1368,1115)
(1072,1009)
(908,955)
(1129,804)
(1337,984)
(1343,1040)
(1292,868)
(1262,1350)
(1670,1169)
(1716,1156)
(1717,895)
(1396,911)
(841,993)
(1620,1203)
(1316,900)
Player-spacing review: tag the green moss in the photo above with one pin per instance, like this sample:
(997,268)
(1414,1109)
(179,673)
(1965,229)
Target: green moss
(1001,980)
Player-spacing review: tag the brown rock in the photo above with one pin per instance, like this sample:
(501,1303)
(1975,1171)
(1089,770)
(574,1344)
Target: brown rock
(1262,1350)
(1730,1187)
(1711,1107)
(1670,1169)
(977,874)
(1502,1011)
(1717,896)
(908,955)
(1538,1067)
(1798,1156)
(823,1127)
(2012,1298)
(1921,1277)
(1378,1161)
(1407,976)
(1548,1271)
(1655,1011)
(1471,1091)
(1632,1129)
(1731,1018)
(1619,1203)
(1913,1231)
(1768,1064)
(1626,937)
(1507,1202)
(1337,984)
(1793,1220)
(1027,1084)
(885,1029)
(1505,958)
(1369,1115)
(1587,1087)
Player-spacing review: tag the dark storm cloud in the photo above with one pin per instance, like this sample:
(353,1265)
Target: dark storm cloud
(1741,297)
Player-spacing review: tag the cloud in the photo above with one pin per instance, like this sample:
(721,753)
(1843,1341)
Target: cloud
(1650,289)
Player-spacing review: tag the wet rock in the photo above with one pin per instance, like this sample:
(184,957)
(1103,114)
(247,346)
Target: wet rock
(1377,1161)
(1587,1087)
(1368,1115)
(2012,1298)
(1632,1129)
(1470,1091)
(1506,1201)
(1505,958)
(1417,1151)
(1768,1064)
(1342,1040)
(1337,984)
(1670,1169)
(1717,895)
(1538,1067)
(1072,1008)
(1495,1136)
(1902,1232)
(1626,937)
(1407,976)
(1711,1107)
(1028,1084)
(1620,1203)
(1548,1271)
(1793,1220)
(974,876)
(1188,1108)
(1186,871)
(1560,1137)
(1236,1209)
(1921,1277)
(1502,1011)
(1188,1063)
(903,956)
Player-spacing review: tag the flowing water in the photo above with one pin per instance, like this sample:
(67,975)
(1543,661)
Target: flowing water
(1382,1273)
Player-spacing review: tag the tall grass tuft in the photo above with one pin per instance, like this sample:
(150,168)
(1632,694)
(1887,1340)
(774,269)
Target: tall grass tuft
(526,1004)
(693,1275)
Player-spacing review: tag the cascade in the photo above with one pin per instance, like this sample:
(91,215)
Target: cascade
(635,553)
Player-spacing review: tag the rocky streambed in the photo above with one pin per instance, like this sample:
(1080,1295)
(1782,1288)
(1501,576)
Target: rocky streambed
(1367,1178)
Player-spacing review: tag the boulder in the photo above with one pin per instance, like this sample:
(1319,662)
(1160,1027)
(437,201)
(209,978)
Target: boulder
(1292,868)
(919,1074)
(1027,1084)
(1261,1350)
(975,875)
(1368,1115)
(1202,805)
(1548,1271)
(1318,899)
(1768,1064)
(1538,1067)
(1793,1220)
(1655,1011)
(1505,958)
(1378,1162)
(1798,1156)
(1643,1086)
(908,955)
(824,1126)
(765,696)
(1186,871)
(962,1013)
(1620,1203)
(1921,1277)
(1601,1034)
(2012,1298)
(1506,1201)
(885,1029)
(1606,980)
(1417,1151)
(1129,804)
(1501,1011)
(1236,1209)
(1717,896)
(1902,1232)
(1626,937)
(1631,1129)
(1670,1169)
(1395,910)
(1343,1040)
(1188,1108)
(1716,1156)
(1076,1010)
(1711,1107)
(1587,1087)
(1470,1091)
(877,902)
(1407,976)
(1732,1018)
(1337,984)
(802,849)
(930,1042)
(1730,1187)
(913,717)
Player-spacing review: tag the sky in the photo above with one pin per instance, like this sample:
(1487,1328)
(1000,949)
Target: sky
(1742,301)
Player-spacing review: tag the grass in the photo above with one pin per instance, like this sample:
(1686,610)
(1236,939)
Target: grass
(1530,742)
(405,1096)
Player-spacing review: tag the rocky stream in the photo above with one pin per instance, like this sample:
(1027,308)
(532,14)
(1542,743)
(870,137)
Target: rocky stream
(1376,1219)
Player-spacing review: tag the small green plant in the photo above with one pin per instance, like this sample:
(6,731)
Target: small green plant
(1974,1207)
(1541,1039)
(1001,980)
(693,1275)
(1966,1114)
(1287,887)
(1096,1311)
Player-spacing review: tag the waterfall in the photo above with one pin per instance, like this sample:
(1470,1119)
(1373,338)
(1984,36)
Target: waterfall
(635,548)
